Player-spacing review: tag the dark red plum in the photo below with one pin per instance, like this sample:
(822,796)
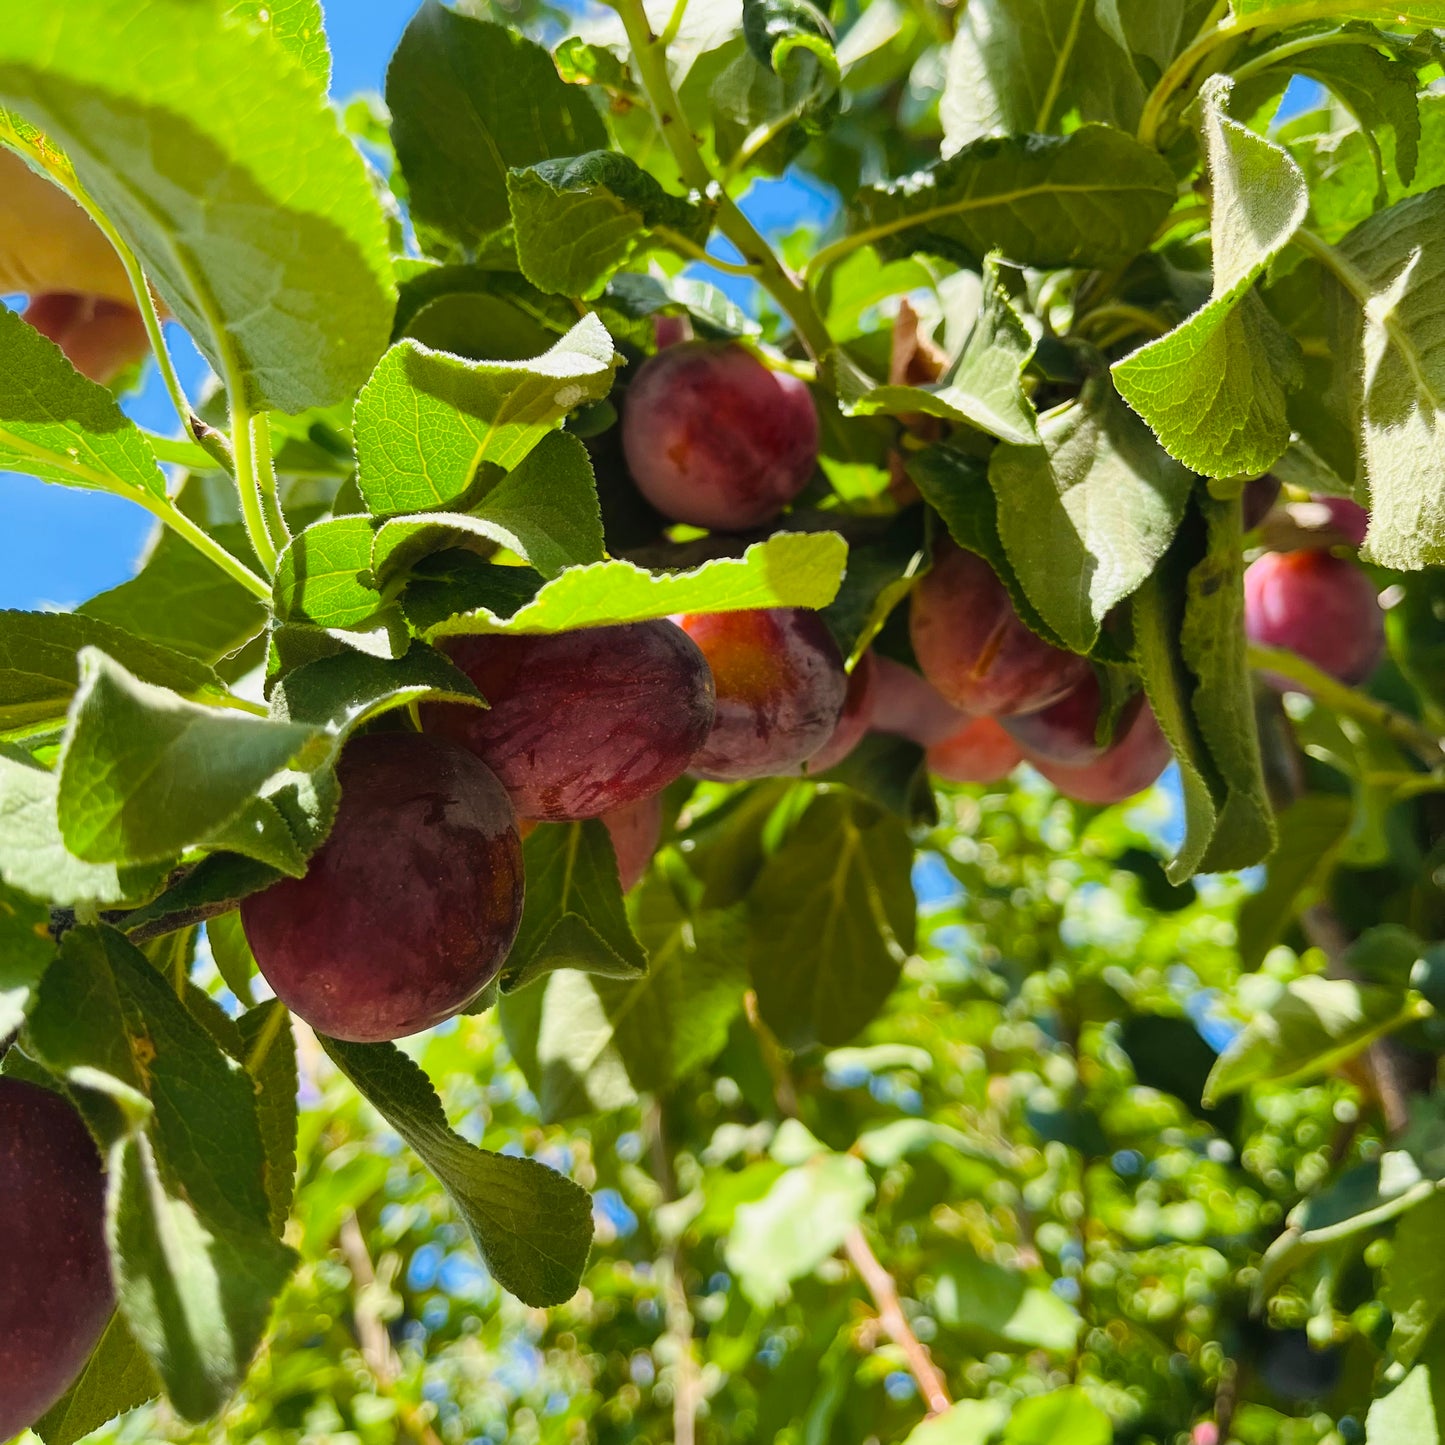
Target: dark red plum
(780,690)
(1346,519)
(911,707)
(99,337)
(856,720)
(974,648)
(1317,605)
(1067,731)
(716,439)
(55,1288)
(1132,762)
(635,831)
(1258,499)
(408,909)
(582,722)
(978,752)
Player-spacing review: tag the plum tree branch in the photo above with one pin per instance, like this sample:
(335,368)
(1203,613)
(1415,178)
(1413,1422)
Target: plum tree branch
(879,1283)
(1348,701)
(649,51)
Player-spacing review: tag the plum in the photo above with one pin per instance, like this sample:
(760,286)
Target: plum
(100,337)
(716,439)
(974,648)
(408,909)
(855,721)
(1258,499)
(905,704)
(1318,605)
(582,722)
(1134,760)
(55,1287)
(635,831)
(978,752)
(780,690)
(1067,731)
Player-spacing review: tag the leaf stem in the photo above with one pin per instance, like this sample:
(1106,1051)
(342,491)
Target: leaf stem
(650,55)
(177,451)
(248,484)
(1298,46)
(166,511)
(266,480)
(674,23)
(1136,316)
(685,247)
(1348,701)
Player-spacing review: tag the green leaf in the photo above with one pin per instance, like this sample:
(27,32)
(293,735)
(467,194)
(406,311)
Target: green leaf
(579,220)
(296,26)
(232,954)
(39,674)
(1393,264)
(56,425)
(983,386)
(1017,67)
(323,576)
(470,99)
(532,1225)
(1213,388)
(1061,1417)
(33,857)
(1413,1412)
(1093,198)
(588,1043)
(181,600)
(638,298)
(214,886)
(545,510)
(996,1308)
(26,949)
(1314,1025)
(1086,515)
(116,1378)
(220,162)
(1311,832)
(145,774)
(1421,13)
(1414,1279)
(573,916)
(797,1224)
(269,1054)
(789,569)
(426,421)
(965,1422)
(342,692)
(832,921)
(194,1258)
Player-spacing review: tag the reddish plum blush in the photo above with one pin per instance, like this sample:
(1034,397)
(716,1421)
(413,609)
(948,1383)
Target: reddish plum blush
(978,752)
(100,337)
(582,722)
(1132,762)
(1066,731)
(856,719)
(1317,605)
(635,832)
(973,647)
(715,439)
(906,704)
(1346,518)
(780,690)
(55,1287)
(407,911)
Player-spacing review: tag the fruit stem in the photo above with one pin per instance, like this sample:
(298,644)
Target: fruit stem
(248,484)
(1348,701)
(649,51)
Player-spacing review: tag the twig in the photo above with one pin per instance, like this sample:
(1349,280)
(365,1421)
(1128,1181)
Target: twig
(879,1282)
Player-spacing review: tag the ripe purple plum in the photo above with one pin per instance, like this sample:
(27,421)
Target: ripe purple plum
(55,1287)
(584,722)
(408,909)
(635,831)
(1318,605)
(1133,761)
(906,704)
(1258,499)
(780,690)
(100,337)
(974,648)
(1066,732)
(978,752)
(856,719)
(716,439)
(1347,519)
